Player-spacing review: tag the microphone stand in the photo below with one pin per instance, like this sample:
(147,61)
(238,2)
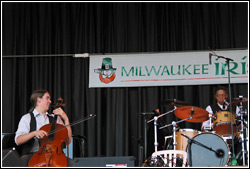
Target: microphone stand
(234,160)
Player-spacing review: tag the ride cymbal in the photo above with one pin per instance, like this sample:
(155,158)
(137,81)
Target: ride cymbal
(198,114)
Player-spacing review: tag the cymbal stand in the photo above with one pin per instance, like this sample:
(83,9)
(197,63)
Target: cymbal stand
(155,127)
(210,123)
(247,146)
(242,134)
(174,134)
(162,115)
(155,132)
(174,129)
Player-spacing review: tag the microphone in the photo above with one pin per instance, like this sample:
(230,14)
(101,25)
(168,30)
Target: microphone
(225,101)
(210,55)
(220,153)
(225,104)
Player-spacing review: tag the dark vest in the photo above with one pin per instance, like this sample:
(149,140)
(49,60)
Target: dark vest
(216,108)
(26,147)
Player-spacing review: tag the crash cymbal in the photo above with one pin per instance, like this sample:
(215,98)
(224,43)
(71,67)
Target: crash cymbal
(199,114)
(173,102)
(238,100)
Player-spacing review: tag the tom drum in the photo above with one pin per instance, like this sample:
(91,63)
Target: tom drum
(222,124)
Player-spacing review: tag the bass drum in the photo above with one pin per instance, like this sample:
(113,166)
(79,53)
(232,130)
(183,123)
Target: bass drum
(199,156)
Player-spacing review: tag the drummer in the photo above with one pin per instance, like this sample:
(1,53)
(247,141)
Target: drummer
(221,105)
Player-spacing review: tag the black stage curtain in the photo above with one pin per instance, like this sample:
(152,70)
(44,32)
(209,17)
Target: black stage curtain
(118,126)
(66,28)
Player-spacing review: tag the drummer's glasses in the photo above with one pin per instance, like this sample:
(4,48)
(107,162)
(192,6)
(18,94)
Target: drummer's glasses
(218,95)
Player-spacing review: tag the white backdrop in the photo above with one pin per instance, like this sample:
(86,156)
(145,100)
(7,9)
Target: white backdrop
(167,69)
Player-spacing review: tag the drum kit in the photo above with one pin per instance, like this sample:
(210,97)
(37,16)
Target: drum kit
(209,147)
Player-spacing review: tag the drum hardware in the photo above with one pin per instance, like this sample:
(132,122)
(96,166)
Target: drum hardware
(209,128)
(174,131)
(210,121)
(155,127)
(174,124)
(242,134)
(145,114)
(189,114)
(155,131)
(157,161)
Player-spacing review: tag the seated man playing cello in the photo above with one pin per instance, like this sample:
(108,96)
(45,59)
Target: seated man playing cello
(28,133)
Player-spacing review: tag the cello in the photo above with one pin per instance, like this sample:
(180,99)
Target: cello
(50,153)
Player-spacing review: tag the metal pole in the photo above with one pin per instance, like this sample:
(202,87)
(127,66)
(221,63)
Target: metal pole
(145,138)
(234,160)
(174,134)
(242,135)
(155,129)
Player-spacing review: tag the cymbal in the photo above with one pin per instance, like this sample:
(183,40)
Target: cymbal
(199,114)
(173,102)
(238,100)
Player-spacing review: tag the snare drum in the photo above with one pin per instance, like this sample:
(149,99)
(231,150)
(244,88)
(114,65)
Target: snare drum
(222,124)
(182,141)
(199,156)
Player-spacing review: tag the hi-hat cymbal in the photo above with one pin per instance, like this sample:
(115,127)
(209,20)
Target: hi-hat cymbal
(199,114)
(238,100)
(173,102)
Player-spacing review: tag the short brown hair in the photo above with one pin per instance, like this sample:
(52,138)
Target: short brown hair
(33,98)
(221,88)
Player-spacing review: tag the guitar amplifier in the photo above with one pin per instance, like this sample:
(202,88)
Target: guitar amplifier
(122,161)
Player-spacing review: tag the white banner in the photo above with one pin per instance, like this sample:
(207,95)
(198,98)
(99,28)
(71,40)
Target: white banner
(168,69)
